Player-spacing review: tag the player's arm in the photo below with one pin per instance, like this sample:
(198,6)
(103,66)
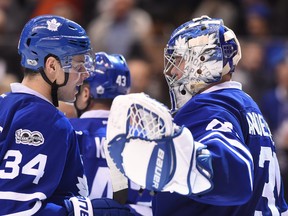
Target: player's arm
(232,169)
(232,161)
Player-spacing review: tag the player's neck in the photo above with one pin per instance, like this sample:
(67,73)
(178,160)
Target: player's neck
(37,84)
(225,78)
(99,106)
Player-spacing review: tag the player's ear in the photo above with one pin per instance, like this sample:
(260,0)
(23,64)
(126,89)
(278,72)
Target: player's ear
(85,93)
(50,68)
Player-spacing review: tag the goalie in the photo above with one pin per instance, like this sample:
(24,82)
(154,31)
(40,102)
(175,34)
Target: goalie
(216,156)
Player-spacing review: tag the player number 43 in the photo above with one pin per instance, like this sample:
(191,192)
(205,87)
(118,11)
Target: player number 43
(121,80)
(34,167)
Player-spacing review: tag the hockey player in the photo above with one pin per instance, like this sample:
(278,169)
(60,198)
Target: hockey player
(217,156)
(41,172)
(111,77)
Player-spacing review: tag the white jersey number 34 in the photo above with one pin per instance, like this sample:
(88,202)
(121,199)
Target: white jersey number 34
(13,158)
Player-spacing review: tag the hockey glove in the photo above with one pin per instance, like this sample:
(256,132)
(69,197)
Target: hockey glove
(152,151)
(79,206)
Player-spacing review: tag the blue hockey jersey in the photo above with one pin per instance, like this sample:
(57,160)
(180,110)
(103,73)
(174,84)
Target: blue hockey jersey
(246,174)
(92,134)
(91,130)
(40,161)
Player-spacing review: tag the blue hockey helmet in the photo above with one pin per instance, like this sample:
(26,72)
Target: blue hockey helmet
(111,76)
(51,35)
(202,51)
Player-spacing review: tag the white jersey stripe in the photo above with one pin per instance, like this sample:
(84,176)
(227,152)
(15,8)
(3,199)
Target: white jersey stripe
(233,142)
(14,196)
(236,144)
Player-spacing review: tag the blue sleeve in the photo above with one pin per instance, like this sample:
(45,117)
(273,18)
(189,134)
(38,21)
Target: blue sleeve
(52,209)
(231,160)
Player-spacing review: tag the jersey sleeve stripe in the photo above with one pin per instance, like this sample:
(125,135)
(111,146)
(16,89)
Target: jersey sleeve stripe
(237,145)
(21,196)
(8,195)
(233,142)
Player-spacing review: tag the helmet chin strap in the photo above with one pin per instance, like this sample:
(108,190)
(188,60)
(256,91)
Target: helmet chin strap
(81,111)
(54,87)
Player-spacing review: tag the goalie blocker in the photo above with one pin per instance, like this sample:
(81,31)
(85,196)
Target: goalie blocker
(152,151)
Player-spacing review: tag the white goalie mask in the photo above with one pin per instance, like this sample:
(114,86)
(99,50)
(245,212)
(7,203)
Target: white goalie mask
(198,53)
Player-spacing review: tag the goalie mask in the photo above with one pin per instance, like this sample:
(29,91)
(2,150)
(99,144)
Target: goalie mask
(199,52)
(111,76)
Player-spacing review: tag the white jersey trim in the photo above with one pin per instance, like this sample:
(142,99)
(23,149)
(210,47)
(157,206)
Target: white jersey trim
(236,144)
(95,114)
(8,195)
(20,88)
(224,85)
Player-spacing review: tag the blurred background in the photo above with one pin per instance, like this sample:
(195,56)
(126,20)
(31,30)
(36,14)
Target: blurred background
(139,30)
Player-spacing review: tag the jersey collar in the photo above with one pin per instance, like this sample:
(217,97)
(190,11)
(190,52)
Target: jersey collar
(224,85)
(95,114)
(20,88)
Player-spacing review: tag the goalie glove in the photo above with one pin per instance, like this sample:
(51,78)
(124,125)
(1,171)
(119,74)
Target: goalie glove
(79,206)
(152,151)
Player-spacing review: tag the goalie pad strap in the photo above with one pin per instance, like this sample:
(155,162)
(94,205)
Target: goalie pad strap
(81,206)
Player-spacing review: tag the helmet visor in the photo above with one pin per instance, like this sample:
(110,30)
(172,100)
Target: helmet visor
(82,64)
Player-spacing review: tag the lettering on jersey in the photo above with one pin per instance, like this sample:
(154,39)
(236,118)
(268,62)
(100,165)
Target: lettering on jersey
(27,137)
(1,129)
(158,168)
(257,125)
(81,206)
(100,147)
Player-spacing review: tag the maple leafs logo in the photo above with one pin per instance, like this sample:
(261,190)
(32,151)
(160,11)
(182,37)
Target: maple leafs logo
(180,43)
(53,25)
(100,90)
(82,186)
